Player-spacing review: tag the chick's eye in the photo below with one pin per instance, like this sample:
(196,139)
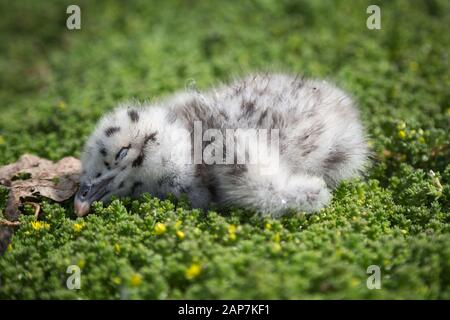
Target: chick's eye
(84,190)
(122,153)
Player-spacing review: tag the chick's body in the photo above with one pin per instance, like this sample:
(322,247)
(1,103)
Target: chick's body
(268,142)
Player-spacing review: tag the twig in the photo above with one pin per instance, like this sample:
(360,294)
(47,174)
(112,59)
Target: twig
(8,223)
(37,208)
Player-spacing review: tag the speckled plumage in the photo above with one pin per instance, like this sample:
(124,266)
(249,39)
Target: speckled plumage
(321,142)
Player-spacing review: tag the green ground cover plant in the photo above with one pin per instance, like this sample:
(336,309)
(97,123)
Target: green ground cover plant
(56,83)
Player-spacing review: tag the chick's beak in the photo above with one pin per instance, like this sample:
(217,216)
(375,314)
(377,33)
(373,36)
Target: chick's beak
(88,193)
(81,207)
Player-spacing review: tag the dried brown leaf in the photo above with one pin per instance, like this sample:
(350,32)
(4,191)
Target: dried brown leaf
(32,177)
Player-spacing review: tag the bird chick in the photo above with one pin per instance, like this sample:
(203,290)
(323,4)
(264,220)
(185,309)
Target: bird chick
(199,144)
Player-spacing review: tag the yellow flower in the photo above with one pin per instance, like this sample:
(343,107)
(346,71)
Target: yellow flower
(354,282)
(193,271)
(10,247)
(276,238)
(2,140)
(77,227)
(117,248)
(268,226)
(232,232)
(160,228)
(81,263)
(38,225)
(180,234)
(276,247)
(61,105)
(413,66)
(402,134)
(136,280)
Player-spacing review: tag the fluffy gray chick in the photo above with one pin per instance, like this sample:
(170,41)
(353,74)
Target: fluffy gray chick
(192,143)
